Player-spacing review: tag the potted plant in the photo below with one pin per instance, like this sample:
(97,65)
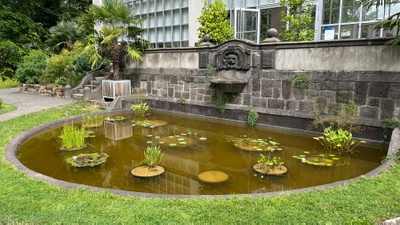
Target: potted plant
(270,165)
(140,119)
(150,165)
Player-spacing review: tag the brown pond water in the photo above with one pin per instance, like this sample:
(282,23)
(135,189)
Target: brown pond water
(125,145)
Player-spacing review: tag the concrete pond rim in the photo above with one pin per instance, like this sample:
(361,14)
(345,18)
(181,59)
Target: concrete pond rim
(12,148)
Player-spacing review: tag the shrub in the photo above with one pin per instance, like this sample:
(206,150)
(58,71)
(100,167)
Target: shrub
(10,56)
(32,67)
(68,67)
(300,20)
(8,83)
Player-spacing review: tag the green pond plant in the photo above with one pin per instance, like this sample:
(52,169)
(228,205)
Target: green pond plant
(321,159)
(87,160)
(252,118)
(73,138)
(92,120)
(150,165)
(268,164)
(140,109)
(339,140)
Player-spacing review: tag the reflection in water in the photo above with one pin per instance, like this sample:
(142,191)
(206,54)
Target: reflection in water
(191,146)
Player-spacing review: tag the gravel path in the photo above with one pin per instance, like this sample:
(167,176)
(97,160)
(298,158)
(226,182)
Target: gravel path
(27,103)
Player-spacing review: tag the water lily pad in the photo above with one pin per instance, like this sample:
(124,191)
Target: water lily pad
(202,138)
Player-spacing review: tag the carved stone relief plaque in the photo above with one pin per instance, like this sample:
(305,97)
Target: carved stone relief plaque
(233,57)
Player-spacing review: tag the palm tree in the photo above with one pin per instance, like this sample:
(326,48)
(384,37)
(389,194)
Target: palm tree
(64,35)
(116,21)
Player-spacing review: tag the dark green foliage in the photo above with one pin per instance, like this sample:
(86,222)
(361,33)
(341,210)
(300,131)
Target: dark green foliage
(221,103)
(77,70)
(252,118)
(387,124)
(10,56)
(214,22)
(20,28)
(64,35)
(32,67)
(300,21)
(301,80)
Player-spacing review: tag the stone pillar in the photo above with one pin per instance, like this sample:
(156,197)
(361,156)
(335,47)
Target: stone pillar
(86,94)
(67,92)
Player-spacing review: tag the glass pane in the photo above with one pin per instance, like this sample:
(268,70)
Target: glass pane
(168,4)
(160,36)
(176,15)
(394,8)
(331,11)
(152,6)
(251,3)
(152,35)
(167,18)
(351,11)
(185,33)
(368,31)
(372,14)
(160,6)
(185,16)
(238,3)
(176,34)
(168,34)
(265,23)
(349,32)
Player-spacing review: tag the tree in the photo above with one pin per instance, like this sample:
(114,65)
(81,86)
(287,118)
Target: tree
(214,22)
(299,19)
(10,56)
(116,21)
(391,23)
(64,35)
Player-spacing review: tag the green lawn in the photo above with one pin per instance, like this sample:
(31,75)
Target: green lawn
(5,108)
(26,200)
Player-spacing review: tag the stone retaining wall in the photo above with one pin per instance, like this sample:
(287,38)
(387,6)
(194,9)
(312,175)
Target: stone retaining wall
(42,90)
(270,89)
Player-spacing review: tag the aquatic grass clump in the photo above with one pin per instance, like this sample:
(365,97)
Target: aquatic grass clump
(92,120)
(73,138)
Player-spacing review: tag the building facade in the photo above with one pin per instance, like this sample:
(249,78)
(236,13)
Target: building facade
(173,23)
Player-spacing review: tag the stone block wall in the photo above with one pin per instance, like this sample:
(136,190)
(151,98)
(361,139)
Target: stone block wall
(42,90)
(270,89)
(376,94)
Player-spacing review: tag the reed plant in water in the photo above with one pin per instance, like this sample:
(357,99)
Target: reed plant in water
(93,120)
(73,137)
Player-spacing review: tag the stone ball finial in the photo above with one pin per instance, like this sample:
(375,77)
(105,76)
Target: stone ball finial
(272,36)
(206,38)
(272,32)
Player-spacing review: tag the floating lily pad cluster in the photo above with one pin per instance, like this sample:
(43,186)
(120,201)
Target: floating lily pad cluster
(182,139)
(323,159)
(117,118)
(253,144)
(87,160)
